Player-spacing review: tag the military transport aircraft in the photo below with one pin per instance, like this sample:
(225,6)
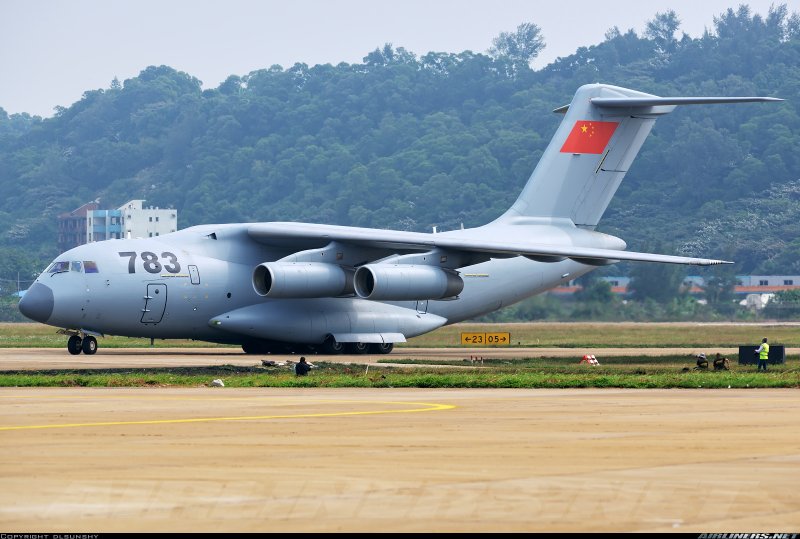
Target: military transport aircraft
(283,287)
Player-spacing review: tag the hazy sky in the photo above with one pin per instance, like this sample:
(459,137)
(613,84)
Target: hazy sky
(51,51)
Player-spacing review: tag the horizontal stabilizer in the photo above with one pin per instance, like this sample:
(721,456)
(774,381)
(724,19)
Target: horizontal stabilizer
(621,102)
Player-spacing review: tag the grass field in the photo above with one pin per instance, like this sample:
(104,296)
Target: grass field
(544,334)
(411,379)
(649,372)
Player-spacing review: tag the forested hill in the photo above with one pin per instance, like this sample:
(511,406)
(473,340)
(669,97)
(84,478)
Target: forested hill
(406,141)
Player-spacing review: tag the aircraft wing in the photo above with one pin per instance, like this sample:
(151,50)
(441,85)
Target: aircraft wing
(394,241)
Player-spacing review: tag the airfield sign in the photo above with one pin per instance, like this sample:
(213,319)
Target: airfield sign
(492,339)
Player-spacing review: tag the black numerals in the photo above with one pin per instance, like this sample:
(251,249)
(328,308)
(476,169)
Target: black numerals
(150,262)
(173,266)
(131,262)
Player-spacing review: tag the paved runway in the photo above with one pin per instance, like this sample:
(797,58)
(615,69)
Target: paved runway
(413,460)
(222,459)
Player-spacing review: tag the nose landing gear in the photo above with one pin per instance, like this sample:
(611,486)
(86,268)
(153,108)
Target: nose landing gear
(74,345)
(80,342)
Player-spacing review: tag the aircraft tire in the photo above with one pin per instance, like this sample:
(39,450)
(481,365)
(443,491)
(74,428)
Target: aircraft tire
(74,345)
(89,345)
(356,348)
(331,347)
(249,348)
(381,348)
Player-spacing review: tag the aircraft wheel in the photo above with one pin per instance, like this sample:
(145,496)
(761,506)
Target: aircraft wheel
(89,345)
(74,345)
(356,348)
(249,348)
(381,348)
(330,346)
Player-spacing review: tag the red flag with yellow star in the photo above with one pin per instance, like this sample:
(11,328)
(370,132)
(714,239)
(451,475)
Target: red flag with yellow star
(589,137)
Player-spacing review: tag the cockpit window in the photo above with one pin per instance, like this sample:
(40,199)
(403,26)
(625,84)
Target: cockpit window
(89,266)
(76,266)
(58,267)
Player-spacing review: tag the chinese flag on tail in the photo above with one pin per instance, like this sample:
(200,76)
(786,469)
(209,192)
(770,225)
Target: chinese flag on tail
(589,137)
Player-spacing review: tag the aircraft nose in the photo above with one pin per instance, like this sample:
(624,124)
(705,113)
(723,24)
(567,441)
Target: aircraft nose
(37,303)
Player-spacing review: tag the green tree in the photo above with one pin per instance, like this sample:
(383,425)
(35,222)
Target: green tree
(597,291)
(661,30)
(521,46)
(596,301)
(658,282)
(784,305)
(719,288)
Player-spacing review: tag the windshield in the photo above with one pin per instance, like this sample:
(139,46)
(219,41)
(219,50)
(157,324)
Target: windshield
(58,267)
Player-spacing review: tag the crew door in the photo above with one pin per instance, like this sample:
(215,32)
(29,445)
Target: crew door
(155,303)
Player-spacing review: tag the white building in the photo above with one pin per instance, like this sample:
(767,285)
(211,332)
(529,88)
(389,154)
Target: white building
(139,221)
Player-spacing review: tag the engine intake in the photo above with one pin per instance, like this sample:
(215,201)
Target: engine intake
(406,282)
(301,280)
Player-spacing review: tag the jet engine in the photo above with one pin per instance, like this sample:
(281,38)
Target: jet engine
(301,280)
(406,282)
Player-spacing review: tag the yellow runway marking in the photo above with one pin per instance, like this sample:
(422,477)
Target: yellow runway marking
(428,407)
(215,398)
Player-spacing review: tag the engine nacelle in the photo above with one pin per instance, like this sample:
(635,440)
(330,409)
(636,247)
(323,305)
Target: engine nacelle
(301,280)
(406,282)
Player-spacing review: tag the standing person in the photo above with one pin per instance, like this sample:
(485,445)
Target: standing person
(302,368)
(763,354)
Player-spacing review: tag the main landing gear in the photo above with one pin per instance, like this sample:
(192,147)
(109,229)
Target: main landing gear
(383,348)
(329,347)
(87,345)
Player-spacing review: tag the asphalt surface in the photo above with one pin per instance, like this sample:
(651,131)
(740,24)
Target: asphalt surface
(221,459)
(270,459)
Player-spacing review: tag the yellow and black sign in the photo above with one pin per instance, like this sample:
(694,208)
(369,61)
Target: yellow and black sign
(486,339)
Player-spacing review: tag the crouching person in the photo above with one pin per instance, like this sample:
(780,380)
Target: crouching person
(721,363)
(302,367)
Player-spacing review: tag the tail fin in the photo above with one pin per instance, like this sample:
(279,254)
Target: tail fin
(602,131)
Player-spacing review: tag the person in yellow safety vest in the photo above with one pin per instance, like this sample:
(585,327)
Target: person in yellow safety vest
(763,354)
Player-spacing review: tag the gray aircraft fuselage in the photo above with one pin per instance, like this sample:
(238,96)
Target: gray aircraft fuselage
(174,287)
(295,286)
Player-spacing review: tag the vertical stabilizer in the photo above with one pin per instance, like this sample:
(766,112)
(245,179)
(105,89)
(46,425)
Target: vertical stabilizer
(603,129)
(587,158)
